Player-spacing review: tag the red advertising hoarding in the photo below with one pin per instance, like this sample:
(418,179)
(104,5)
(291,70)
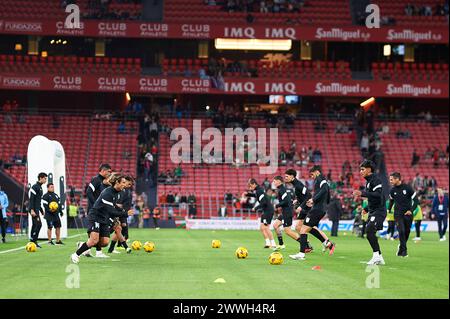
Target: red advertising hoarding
(135,29)
(247,86)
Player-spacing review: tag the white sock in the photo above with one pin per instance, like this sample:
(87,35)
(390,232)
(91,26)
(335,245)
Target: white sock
(272,242)
(376,254)
(267,242)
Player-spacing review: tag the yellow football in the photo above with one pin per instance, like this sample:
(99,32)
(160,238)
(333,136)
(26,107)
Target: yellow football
(216,243)
(241,253)
(276,258)
(31,247)
(136,245)
(149,246)
(53,206)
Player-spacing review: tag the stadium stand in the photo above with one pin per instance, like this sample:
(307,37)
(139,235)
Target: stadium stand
(423,136)
(410,71)
(69,65)
(418,15)
(90,9)
(261,68)
(312,12)
(210,182)
(85,145)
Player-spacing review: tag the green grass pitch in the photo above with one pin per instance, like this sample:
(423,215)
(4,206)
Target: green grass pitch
(185,266)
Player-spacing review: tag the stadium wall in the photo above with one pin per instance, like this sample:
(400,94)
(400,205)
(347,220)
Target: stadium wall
(247,224)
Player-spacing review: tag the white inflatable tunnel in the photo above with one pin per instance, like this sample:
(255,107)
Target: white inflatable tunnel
(48,157)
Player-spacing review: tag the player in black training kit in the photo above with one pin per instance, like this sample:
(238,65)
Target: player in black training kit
(263,203)
(406,202)
(302,195)
(285,217)
(52,216)
(96,186)
(35,207)
(376,208)
(120,228)
(318,205)
(101,216)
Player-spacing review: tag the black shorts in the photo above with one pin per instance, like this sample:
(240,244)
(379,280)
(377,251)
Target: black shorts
(303,213)
(266,218)
(313,218)
(53,221)
(102,229)
(123,220)
(286,219)
(377,220)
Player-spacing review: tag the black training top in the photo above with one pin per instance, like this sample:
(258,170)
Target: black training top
(105,207)
(263,201)
(374,194)
(405,199)
(284,200)
(321,196)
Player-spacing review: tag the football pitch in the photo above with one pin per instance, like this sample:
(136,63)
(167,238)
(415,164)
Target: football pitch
(184,265)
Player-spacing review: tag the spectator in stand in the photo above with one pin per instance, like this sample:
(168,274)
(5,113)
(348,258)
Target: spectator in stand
(329,175)
(439,211)
(417,183)
(121,127)
(317,155)
(432,183)
(177,199)
(266,183)
(178,172)
(148,161)
(162,199)
(436,158)
(334,212)
(228,199)
(409,9)
(14,106)
(283,157)
(146,217)
(7,107)
(263,7)
(192,211)
(427,11)
(170,199)
(222,211)
(183,202)
(304,156)
(153,128)
(297,159)
(156,216)
(192,199)
(364,145)
(415,159)
(293,147)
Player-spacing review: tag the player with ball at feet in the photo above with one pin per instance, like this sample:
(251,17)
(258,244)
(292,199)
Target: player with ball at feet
(100,216)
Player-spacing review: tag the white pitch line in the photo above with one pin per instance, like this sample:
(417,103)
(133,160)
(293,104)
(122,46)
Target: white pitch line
(19,248)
